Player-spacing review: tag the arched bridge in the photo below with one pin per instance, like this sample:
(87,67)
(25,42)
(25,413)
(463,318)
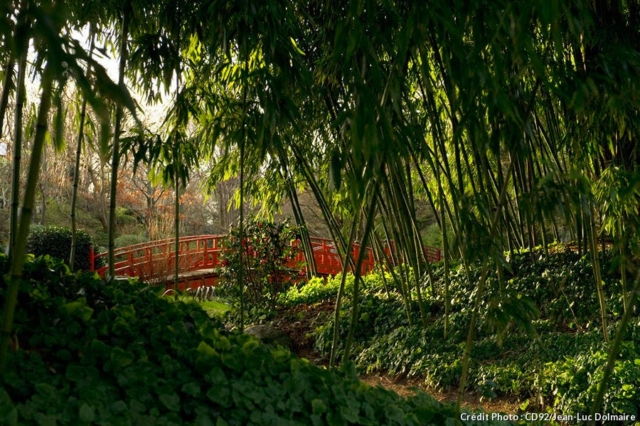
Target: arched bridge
(198,256)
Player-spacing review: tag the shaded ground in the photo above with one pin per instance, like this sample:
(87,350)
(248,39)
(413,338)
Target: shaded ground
(300,321)
(405,387)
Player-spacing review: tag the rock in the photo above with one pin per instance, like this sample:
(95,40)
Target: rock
(269,335)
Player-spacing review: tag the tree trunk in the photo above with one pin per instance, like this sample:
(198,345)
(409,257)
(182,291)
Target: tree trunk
(176,182)
(43,189)
(76,173)
(115,161)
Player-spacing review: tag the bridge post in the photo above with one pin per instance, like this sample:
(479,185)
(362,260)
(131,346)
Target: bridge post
(131,271)
(92,258)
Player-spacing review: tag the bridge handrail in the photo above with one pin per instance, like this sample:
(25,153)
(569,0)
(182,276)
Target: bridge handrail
(150,254)
(139,258)
(160,243)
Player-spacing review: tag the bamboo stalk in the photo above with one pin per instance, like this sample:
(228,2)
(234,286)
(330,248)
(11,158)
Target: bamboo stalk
(357,276)
(17,153)
(76,175)
(17,262)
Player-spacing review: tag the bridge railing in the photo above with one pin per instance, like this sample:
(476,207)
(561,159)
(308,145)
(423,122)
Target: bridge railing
(155,260)
(328,259)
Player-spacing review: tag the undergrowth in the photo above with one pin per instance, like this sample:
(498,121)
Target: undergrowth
(120,354)
(538,339)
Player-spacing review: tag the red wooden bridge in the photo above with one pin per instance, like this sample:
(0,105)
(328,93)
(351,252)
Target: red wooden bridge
(198,256)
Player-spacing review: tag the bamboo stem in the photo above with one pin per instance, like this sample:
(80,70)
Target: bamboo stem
(17,262)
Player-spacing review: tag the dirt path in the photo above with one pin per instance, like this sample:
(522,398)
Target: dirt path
(404,387)
(300,321)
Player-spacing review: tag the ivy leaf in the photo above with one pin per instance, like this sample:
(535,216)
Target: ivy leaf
(171,401)
(206,350)
(8,413)
(87,413)
(121,358)
(318,406)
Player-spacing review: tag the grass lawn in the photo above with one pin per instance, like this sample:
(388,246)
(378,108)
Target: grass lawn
(215,308)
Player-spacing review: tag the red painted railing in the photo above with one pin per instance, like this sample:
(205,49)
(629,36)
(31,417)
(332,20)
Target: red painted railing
(155,260)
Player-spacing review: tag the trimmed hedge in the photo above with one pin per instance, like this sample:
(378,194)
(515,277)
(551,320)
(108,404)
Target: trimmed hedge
(56,242)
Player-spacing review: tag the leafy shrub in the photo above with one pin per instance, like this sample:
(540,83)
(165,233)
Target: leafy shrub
(316,290)
(574,383)
(264,253)
(123,355)
(322,289)
(56,241)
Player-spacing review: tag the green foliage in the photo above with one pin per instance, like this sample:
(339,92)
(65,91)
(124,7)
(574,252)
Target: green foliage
(315,290)
(574,381)
(58,211)
(91,353)
(129,240)
(215,308)
(323,289)
(55,241)
(265,253)
(544,318)
(125,217)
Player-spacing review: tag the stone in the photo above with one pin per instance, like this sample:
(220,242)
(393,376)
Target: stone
(269,335)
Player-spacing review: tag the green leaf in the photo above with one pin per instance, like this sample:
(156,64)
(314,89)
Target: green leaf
(191,388)
(171,401)
(205,349)
(8,413)
(203,420)
(119,407)
(121,358)
(318,406)
(87,413)
(219,395)
(221,422)
(99,348)
(295,46)
(76,373)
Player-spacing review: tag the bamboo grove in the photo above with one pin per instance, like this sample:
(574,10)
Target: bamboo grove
(514,123)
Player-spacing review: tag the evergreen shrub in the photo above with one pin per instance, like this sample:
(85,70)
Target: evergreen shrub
(55,241)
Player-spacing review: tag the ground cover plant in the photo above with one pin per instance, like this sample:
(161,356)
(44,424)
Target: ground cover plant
(86,352)
(538,340)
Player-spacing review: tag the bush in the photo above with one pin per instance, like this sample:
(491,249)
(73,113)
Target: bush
(316,290)
(121,354)
(56,242)
(265,251)
(324,289)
